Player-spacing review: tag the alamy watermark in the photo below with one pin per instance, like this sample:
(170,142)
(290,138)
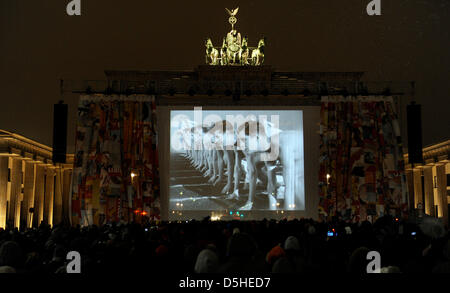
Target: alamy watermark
(74,265)
(374,8)
(73,8)
(374,265)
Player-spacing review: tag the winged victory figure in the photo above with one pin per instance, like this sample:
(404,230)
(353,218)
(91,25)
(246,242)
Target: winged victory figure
(233,12)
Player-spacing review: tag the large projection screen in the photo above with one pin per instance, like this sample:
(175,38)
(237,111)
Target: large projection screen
(245,163)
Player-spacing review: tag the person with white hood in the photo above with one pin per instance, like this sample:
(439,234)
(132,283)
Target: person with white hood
(207,262)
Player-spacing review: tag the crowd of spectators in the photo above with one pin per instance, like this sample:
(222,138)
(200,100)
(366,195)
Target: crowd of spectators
(295,246)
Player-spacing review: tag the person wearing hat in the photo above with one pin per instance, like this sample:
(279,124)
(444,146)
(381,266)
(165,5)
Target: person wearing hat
(207,262)
(241,254)
(10,257)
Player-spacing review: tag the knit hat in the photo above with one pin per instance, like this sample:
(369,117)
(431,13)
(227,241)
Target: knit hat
(10,254)
(358,260)
(7,270)
(390,270)
(291,243)
(161,250)
(207,262)
(274,254)
(432,227)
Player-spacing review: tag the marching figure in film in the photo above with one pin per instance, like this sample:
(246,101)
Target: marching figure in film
(248,165)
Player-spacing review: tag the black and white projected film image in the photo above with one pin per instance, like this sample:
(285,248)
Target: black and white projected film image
(236,160)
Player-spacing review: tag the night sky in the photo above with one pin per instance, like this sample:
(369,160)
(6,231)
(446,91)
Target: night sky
(40,44)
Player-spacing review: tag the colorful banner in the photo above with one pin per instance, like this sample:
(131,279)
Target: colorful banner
(116,173)
(361,159)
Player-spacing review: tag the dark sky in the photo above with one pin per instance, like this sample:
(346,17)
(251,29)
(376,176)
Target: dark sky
(39,44)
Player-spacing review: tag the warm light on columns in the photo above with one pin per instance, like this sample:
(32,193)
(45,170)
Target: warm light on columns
(3,189)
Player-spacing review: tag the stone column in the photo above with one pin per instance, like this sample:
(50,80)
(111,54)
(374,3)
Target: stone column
(417,174)
(16,190)
(410,183)
(3,189)
(441,182)
(49,194)
(38,215)
(429,193)
(28,193)
(66,196)
(57,211)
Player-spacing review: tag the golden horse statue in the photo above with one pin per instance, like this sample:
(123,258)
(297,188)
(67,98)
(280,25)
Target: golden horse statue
(212,54)
(258,53)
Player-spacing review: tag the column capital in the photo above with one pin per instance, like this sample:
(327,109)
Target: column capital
(418,168)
